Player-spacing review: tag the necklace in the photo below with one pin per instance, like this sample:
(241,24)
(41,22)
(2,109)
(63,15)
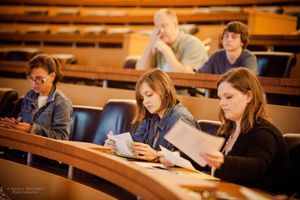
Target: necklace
(230,142)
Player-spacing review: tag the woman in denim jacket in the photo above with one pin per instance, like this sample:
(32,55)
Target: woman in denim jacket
(45,110)
(157,111)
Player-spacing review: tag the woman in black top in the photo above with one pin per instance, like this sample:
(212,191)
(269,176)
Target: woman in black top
(254,154)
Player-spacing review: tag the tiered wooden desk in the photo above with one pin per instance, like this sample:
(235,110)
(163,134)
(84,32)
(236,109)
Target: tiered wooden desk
(270,85)
(144,183)
(106,49)
(148,2)
(210,24)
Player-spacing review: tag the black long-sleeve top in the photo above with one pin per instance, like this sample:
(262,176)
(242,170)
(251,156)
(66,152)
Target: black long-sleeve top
(259,158)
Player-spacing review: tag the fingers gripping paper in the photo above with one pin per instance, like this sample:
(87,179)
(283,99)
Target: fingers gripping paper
(192,141)
(123,144)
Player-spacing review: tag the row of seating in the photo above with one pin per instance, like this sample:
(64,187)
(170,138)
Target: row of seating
(47,29)
(124,11)
(270,64)
(9,102)
(91,124)
(151,3)
(143,16)
(25,54)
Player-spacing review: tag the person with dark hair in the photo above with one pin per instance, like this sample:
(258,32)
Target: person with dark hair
(157,111)
(169,48)
(45,110)
(235,38)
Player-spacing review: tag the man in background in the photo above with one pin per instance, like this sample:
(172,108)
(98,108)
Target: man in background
(170,49)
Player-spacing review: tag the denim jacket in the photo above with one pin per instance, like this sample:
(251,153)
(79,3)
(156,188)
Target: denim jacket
(153,129)
(53,120)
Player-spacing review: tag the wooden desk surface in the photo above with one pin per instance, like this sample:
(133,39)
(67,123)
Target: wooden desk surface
(64,38)
(274,40)
(270,85)
(146,3)
(147,184)
(127,19)
(20,182)
(260,40)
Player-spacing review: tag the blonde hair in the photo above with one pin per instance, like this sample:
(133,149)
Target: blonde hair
(170,13)
(161,84)
(245,81)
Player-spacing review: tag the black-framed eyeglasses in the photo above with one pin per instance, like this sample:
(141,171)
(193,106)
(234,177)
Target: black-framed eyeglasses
(38,80)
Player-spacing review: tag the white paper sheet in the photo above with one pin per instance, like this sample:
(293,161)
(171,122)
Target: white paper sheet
(175,159)
(123,144)
(192,141)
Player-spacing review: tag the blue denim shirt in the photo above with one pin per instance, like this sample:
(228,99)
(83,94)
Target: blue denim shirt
(53,120)
(153,127)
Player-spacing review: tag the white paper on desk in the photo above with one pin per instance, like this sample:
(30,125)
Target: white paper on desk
(176,159)
(192,141)
(123,144)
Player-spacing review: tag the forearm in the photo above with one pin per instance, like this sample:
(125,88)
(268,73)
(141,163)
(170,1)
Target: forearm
(174,64)
(144,62)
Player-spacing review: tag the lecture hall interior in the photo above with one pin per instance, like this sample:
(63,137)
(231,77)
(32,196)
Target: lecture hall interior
(98,43)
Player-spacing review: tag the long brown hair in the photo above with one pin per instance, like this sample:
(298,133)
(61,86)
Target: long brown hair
(244,80)
(161,84)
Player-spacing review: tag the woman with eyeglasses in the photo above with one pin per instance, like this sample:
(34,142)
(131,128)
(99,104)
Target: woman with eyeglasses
(45,110)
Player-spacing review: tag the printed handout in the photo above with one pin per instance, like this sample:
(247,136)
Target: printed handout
(175,159)
(192,141)
(123,144)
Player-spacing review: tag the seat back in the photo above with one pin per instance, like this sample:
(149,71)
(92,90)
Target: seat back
(130,62)
(292,141)
(21,54)
(18,106)
(209,126)
(65,59)
(84,122)
(2,54)
(116,116)
(8,100)
(275,64)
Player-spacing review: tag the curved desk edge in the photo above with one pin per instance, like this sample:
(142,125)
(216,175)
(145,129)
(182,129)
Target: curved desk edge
(91,158)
